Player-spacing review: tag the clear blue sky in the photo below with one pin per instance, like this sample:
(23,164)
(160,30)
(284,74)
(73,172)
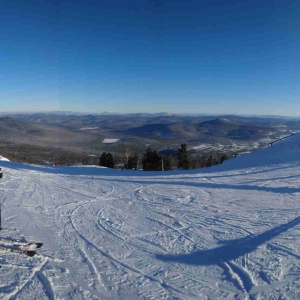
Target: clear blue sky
(214,56)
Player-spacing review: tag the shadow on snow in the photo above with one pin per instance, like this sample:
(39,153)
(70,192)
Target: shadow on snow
(278,189)
(230,250)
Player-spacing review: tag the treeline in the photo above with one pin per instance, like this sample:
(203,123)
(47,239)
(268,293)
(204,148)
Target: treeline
(152,160)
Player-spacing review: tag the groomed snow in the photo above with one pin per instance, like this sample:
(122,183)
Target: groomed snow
(227,232)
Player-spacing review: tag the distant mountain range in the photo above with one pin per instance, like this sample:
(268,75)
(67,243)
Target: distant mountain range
(86,133)
(19,131)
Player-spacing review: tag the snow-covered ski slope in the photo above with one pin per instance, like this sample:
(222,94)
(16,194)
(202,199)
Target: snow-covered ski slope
(3,158)
(227,232)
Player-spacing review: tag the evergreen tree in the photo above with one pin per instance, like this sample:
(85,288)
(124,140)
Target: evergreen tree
(215,161)
(201,161)
(183,158)
(103,159)
(168,162)
(132,162)
(209,161)
(223,157)
(106,160)
(197,161)
(110,160)
(151,160)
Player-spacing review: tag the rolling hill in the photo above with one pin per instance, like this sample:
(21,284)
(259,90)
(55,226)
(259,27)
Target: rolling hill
(86,134)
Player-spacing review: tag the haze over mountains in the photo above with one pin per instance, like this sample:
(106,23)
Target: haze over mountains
(85,134)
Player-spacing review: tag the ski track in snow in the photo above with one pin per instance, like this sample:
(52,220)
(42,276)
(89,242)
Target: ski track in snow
(35,272)
(209,235)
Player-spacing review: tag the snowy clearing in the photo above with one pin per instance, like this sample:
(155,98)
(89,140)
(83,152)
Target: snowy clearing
(227,232)
(89,128)
(110,141)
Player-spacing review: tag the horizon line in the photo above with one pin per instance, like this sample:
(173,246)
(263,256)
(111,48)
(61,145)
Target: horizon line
(144,113)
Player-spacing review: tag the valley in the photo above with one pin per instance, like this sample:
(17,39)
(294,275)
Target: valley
(52,137)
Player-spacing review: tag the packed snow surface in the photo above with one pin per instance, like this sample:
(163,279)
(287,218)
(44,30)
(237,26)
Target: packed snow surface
(227,232)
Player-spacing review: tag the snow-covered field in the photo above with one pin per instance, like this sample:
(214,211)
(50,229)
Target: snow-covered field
(110,141)
(228,232)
